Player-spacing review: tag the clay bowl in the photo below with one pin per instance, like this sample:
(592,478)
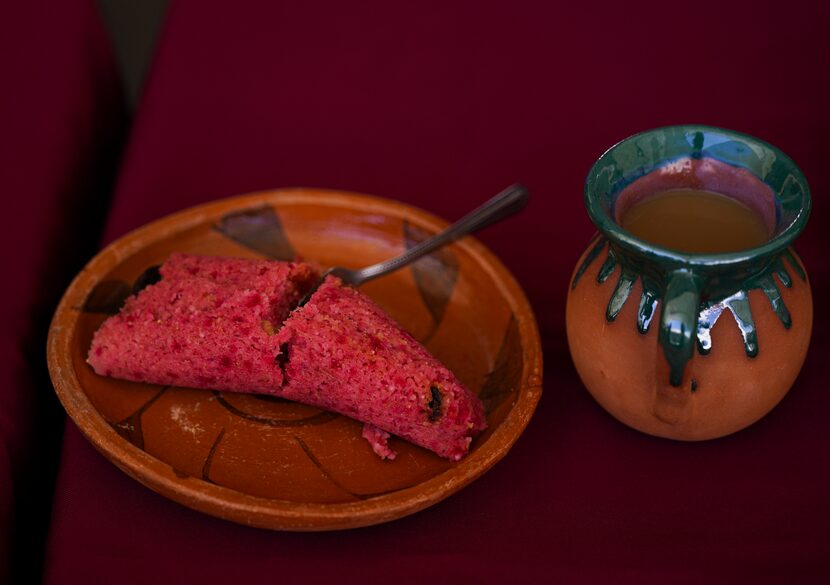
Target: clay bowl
(276,464)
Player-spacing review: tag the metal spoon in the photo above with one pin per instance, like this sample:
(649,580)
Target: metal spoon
(510,201)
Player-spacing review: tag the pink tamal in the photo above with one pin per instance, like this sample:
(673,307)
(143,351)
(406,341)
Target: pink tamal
(228,324)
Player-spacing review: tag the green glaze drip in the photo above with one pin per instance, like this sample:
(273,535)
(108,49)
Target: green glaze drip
(589,258)
(648,304)
(767,284)
(705,321)
(621,292)
(738,304)
(697,144)
(779,270)
(794,263)
(678,319)
(607,267)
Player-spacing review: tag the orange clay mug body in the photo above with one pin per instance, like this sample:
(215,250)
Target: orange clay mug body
(691,346)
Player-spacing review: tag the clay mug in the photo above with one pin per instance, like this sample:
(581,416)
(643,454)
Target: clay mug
(681,345)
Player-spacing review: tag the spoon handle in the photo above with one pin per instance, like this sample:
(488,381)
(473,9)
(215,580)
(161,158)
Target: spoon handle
(505,204)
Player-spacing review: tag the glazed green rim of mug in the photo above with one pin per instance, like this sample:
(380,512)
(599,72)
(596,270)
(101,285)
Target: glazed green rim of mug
(600,212)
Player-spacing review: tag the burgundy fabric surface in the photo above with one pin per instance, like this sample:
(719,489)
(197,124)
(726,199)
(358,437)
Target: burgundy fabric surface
(58,108)
(441,105)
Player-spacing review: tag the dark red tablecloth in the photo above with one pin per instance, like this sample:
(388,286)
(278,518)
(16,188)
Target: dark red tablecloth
(60,119)
(441,104)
